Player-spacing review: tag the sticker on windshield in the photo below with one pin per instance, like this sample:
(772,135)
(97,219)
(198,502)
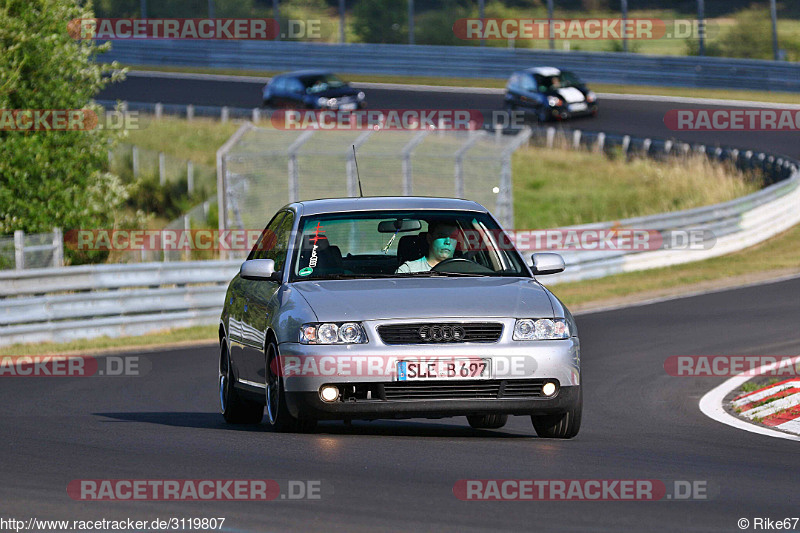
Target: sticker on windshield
(305,271)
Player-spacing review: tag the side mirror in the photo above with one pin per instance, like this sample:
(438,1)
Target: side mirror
(259,270)
(547,263)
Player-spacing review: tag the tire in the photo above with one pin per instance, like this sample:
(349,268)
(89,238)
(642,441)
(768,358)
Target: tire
(234,408)
(278,416)
(560,426)
(487,421)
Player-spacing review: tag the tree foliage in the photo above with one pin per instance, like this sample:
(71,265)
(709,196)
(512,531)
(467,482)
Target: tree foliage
(52,178)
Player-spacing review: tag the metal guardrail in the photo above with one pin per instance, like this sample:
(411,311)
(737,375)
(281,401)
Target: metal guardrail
(61,304)
(461,61)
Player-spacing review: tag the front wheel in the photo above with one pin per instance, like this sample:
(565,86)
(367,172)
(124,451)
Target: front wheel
(234,408)
(278,415)
(559,426)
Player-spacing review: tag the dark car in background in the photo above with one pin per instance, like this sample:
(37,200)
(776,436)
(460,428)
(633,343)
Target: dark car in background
(312,89)
(549,93)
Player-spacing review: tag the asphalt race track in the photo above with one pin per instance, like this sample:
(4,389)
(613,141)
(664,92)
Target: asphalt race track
(618,114)
(639,423)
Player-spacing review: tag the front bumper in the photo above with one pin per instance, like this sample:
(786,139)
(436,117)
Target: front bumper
(564,112)
(309,405)
(366,375)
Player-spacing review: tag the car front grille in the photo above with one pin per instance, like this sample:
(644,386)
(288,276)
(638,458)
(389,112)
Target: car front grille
(445,332)
(463,390)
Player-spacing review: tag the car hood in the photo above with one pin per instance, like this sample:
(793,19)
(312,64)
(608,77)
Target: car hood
(401,298)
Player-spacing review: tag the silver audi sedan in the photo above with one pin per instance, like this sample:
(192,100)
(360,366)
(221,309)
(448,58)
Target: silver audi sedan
(396,307)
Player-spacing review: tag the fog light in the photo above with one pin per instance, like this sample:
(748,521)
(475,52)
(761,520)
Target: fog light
(549,388)
(329,393)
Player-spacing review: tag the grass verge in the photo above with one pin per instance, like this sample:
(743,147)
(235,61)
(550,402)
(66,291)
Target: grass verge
(175,337)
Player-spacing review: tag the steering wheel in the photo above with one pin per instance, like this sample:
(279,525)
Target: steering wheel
(460,265)
(450,262)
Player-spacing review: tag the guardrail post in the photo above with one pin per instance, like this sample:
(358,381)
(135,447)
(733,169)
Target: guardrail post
(576,139)
(498,133)
(551,136)
(223,114)
(159,109)
(58,247)
(601,142)
(189,112)
(189,177)
(256,115)
(162,168)
(646,146)
(19,249)
(667,146)
(626,144)
(135,160)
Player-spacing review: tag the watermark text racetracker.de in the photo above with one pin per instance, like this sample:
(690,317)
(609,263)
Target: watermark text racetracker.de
(68,120)
(566,239)
(736,119)
(196,489)
(580,490)
(579,29)
(182,523)
(193,28)
(74,366)
(732,365)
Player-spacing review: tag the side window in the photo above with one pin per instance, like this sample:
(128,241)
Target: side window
(279,85)
(528,84)
(274,242)
(513,82)
(293,85)
(267,237)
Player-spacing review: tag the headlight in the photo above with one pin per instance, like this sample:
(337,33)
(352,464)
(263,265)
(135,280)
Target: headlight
(333,333)
(554,101)
(538,329)
(361,95)
(591,97)
(322,102)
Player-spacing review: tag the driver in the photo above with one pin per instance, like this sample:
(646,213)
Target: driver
(441,245)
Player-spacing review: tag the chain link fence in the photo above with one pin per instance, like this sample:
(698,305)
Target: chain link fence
(32,250)
(260,169)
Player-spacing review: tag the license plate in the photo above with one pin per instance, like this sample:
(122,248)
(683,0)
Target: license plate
(441,369)
(348,107)
(578,107)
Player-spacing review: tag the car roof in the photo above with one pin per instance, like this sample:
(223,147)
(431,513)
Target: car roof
(544,71)
(383,203)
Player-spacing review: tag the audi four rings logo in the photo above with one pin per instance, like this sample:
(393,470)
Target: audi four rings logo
(443,333)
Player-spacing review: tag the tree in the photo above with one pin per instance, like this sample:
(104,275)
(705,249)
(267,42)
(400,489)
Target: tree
(381,22)
(52,178)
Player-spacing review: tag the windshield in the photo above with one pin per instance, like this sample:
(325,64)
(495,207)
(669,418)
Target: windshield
(402,244)
(322,82)
(566,79)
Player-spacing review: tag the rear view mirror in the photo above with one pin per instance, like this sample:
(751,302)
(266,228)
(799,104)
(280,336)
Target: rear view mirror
(399,225)
(547,263)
